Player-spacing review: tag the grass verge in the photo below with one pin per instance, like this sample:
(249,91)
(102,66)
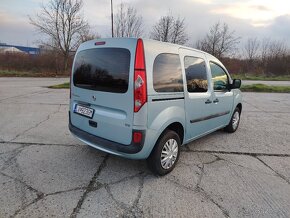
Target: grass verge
(261,77)
(60,86)
(265,88)
(8,73)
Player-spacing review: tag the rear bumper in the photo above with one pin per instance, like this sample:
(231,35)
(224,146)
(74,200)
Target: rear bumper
(106,145)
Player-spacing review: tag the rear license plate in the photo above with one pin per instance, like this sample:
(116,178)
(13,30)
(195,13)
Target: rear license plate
(84,111)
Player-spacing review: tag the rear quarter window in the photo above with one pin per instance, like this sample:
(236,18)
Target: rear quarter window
(102,69)
(167,74)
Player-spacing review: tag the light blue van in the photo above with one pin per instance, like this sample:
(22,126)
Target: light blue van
(143,99)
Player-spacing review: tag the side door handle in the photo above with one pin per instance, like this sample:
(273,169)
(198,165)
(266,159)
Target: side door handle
(215,101)
(208,101)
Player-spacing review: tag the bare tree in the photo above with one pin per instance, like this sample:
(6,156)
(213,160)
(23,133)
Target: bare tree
(63,23)
(276,59)
(252,48)
(88,35)
(162,29)
(170,29)
(251,53)
(265,49)
(219,41)
(277,49)
(179,35)
(127,22)
(272,49)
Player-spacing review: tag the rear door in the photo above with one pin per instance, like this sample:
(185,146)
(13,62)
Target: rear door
(102,81)
(198,93)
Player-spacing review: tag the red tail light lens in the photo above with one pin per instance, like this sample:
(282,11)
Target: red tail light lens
(139,56)
(100,43)
(140,85)
(137,137)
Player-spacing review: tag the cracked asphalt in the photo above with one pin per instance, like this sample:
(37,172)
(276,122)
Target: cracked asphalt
(45,172)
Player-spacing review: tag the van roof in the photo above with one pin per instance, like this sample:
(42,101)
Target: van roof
(148,41)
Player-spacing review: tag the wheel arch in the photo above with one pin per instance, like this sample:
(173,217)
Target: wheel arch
(178,128)
(239,105)
(175,126)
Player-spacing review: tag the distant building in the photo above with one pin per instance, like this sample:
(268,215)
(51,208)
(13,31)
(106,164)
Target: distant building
(18,49)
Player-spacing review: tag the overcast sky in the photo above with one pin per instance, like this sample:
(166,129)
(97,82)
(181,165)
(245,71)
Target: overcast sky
(249,18)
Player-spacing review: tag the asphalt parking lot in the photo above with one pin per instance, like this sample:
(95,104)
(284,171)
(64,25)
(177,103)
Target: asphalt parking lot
(44,171)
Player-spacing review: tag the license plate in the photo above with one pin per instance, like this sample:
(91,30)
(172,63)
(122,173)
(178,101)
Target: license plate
(84,111)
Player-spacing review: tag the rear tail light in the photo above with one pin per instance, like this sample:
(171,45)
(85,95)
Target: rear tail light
(137,137)
(140,85)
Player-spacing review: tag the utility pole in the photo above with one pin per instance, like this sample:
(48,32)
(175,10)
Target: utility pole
(112,18)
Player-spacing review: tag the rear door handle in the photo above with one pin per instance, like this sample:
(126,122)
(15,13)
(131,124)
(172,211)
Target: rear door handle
(208,101)
(215,101)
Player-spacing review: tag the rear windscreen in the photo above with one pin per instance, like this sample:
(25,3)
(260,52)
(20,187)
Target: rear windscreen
(102,69)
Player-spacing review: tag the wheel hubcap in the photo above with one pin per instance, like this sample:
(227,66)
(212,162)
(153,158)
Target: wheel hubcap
(169,153)
(236,119)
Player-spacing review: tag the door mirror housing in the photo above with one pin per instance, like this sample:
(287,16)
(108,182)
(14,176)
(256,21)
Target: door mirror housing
(236,84)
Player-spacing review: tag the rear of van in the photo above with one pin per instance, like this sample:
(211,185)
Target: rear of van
(108,95)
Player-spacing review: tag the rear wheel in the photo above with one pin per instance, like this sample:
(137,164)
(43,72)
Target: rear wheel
(235,121)
(165,154)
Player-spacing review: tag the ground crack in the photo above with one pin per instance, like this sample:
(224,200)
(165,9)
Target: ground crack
(240,153)
(13,150)
(13,155)
(37,124)
(202,191)
(34,143)
(201,168)
(39,194)
(215,160)
(267,112)
(89,188)
(39,197)
(207,196)
(126,178)
(277,173)
(23,95)
(199,189)
(23,183)
(134,210)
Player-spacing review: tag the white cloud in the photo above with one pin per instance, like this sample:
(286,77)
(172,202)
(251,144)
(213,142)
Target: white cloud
(256,12)
(249,18)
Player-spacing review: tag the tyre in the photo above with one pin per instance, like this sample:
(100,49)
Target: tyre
(235,121)
(165,154)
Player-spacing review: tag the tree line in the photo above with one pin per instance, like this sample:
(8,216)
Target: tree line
(64,26)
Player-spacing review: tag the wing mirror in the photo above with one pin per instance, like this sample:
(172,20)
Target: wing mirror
(236,84)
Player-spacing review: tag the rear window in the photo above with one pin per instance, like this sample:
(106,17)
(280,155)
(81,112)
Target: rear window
(102,69)
(167,74)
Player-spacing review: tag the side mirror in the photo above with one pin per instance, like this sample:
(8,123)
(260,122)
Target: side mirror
(236,84)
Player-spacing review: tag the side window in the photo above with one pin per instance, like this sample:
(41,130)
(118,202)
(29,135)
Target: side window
(195,72)
(219,77)
(167,74)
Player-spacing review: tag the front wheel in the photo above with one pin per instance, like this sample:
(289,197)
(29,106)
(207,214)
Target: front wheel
(165,154)
(235,121)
